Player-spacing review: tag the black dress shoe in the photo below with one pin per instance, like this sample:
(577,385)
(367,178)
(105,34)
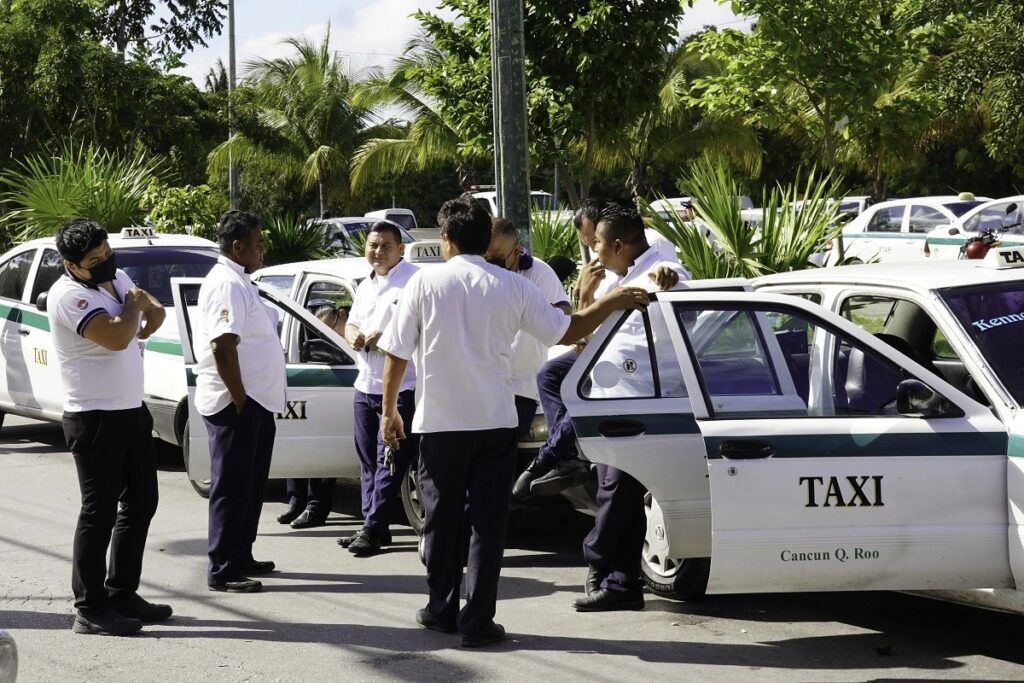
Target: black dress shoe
(240,586)
(428,619)
(595,578)
(309,520)
(364,543)
(604,600)
(565,474)
(107,622)
(491,634)
(535,470)
(384,537)
(289,517)
(259,567)
(136,607)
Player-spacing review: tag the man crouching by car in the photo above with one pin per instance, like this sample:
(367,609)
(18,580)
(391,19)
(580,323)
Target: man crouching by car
(97,312)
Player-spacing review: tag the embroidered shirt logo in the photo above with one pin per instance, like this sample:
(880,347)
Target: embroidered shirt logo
(81,304)
(223,315)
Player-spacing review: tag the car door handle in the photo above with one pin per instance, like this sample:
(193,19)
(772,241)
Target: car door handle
(24,331)
(618,427)
(746,450)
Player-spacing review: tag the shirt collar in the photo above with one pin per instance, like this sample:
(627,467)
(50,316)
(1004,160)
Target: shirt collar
(79,280)
(642,263)
(395,270)
(471,258)
(236,267)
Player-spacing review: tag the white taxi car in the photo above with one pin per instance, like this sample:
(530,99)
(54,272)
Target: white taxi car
(31,385)
(895,230)
(1003,217)
(798,451)
(316,430)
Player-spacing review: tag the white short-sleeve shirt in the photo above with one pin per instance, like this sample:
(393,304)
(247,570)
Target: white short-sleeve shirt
(661,244)
(372,309)
(457,321)
(94,378)
(229,303)
(528,352)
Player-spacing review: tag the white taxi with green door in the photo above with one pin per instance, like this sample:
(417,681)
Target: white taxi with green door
(1002,217)
(800,452)
(30,384)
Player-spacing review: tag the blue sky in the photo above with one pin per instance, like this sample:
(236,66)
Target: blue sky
(369,32)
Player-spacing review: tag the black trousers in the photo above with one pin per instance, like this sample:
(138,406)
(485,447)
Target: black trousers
(315,495)
(615,543)
(381,492)
(465,474)
(240,450)
(116,463)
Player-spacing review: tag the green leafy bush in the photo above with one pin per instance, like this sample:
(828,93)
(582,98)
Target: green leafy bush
(552,233)
(192,208)
(290,239)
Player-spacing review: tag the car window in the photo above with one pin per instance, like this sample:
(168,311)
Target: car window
(887,219)
(279,284)
(1006,216)
(322,292)
(151,268)
(941,348)
(926,218)
(636,361)
(404,221)
(764,355)
(51,267)
(14,274)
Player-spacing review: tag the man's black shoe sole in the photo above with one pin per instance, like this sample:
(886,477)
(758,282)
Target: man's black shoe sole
(623,606)
(433,624)
(222,588)
(88,628)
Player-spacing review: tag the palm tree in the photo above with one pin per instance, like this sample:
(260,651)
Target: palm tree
(305,104)
(427,142)
(674,130)
(217,78)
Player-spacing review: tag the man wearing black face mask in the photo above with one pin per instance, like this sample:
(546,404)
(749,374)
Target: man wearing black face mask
(96,312)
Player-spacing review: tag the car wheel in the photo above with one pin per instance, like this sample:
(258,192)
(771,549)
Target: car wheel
(851,262)
(202,486)
(670,577)
(411,502)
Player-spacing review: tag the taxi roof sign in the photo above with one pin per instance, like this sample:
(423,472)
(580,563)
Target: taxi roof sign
(424,251)
(1004,257)
(138,231)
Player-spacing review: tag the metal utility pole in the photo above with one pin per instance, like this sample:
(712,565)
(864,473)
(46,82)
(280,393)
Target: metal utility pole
(508,93)
(232,166)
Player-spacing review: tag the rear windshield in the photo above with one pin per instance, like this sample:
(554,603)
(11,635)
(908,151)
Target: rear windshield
(152,268)
(960,208)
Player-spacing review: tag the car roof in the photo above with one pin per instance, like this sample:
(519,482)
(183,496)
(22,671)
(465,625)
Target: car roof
(350,267)
(991,202)
(936,199)
(345,220)
(117,242)
(919,276)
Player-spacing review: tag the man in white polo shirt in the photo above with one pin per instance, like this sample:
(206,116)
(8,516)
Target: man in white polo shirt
(613,548)
(458,322)
(96,311)
(372,309)
(528,352)
(240,384)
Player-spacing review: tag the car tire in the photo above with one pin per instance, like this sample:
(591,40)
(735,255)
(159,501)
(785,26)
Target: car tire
(851,262)
(202,486)
(411,502)
(2,415)
(670,577)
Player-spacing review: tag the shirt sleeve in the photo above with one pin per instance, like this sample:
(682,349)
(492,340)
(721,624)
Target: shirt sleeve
(540,318)
(75,308)
(224,310)
(661,244)
(402,335)
(357,316)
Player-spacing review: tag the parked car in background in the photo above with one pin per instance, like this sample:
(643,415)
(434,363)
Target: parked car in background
(343,235)
(30,384)
(403,218)
(1003,217)
(895,230)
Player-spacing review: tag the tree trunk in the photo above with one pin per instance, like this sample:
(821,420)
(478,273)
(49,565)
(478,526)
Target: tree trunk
(321,192)
(830,139)
(588,157)
(569,183)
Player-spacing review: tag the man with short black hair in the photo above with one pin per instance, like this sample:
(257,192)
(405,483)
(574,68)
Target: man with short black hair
(458,322)
(372,309)
(96,311)
(240,384)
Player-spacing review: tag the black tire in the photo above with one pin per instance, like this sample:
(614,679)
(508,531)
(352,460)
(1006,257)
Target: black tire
(2,415)
(851,262)
(411,502)
(670,577)
(202,486)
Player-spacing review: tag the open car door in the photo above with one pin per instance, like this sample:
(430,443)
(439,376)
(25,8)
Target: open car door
(315,432)
(832,461)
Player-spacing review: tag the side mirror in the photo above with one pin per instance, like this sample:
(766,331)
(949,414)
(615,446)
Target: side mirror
(323,352)
(916,399)
(41,301)
(954,231)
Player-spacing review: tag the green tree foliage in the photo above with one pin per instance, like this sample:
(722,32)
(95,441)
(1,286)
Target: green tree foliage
(580,57)
(304,125)
(44,190)
(195,207)
(832,73)
(169,28)
(290,238)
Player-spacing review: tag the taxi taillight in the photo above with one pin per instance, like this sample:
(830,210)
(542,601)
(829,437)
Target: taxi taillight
(927,249)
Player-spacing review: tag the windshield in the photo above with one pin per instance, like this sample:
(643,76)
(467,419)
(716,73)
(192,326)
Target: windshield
(151,268)
(993,317)
(960,208)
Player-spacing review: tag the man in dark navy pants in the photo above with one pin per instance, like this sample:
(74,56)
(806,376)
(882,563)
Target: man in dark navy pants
(240,384)
(458,322)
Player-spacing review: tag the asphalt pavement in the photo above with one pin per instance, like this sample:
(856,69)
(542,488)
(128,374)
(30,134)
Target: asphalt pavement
(326,615)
